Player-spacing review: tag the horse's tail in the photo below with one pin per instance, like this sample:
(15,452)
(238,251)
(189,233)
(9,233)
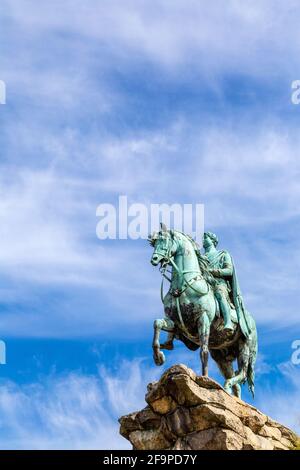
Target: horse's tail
(252,359)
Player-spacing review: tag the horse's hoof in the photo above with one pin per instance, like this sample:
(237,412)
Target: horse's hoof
(228,388)
(159,358)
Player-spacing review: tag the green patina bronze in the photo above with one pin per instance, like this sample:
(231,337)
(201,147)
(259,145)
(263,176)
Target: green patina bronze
(204,307)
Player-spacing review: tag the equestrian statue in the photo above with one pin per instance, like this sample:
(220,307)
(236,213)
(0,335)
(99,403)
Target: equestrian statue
(204,307)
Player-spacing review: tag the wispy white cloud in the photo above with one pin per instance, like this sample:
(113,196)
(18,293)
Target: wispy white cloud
(73,411)
(251,38)
(280,399)
(62,156)
(49,222)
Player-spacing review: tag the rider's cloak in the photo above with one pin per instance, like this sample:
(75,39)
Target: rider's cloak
(242,313)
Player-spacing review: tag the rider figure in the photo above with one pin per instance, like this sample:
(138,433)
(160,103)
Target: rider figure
(221,268)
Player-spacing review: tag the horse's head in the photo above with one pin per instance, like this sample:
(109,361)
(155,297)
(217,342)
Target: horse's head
(163,243)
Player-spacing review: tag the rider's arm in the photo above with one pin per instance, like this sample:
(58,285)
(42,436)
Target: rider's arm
(226,270)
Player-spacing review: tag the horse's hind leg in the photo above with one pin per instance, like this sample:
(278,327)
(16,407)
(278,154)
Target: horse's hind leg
(203,331)
(237,390)
(226,368)
(164,324)
(241,376)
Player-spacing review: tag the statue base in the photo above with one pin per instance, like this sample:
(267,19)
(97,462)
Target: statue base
(189,412)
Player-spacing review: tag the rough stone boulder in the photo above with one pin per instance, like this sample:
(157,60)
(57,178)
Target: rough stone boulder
(188,412)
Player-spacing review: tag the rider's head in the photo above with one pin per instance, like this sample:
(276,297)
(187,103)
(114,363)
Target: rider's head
(209,237)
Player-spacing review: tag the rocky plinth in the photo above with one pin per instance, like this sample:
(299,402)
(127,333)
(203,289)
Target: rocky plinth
(188,412)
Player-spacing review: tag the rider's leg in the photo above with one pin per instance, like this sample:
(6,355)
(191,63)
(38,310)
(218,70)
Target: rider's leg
(225,309)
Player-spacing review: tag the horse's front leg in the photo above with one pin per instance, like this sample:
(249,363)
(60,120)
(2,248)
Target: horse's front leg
(168,325)
(164,324)
(203,331)
(169,344)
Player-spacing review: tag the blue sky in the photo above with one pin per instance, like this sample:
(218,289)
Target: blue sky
(170,101)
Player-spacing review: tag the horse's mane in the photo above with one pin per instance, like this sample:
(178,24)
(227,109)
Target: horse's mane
(202,260)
